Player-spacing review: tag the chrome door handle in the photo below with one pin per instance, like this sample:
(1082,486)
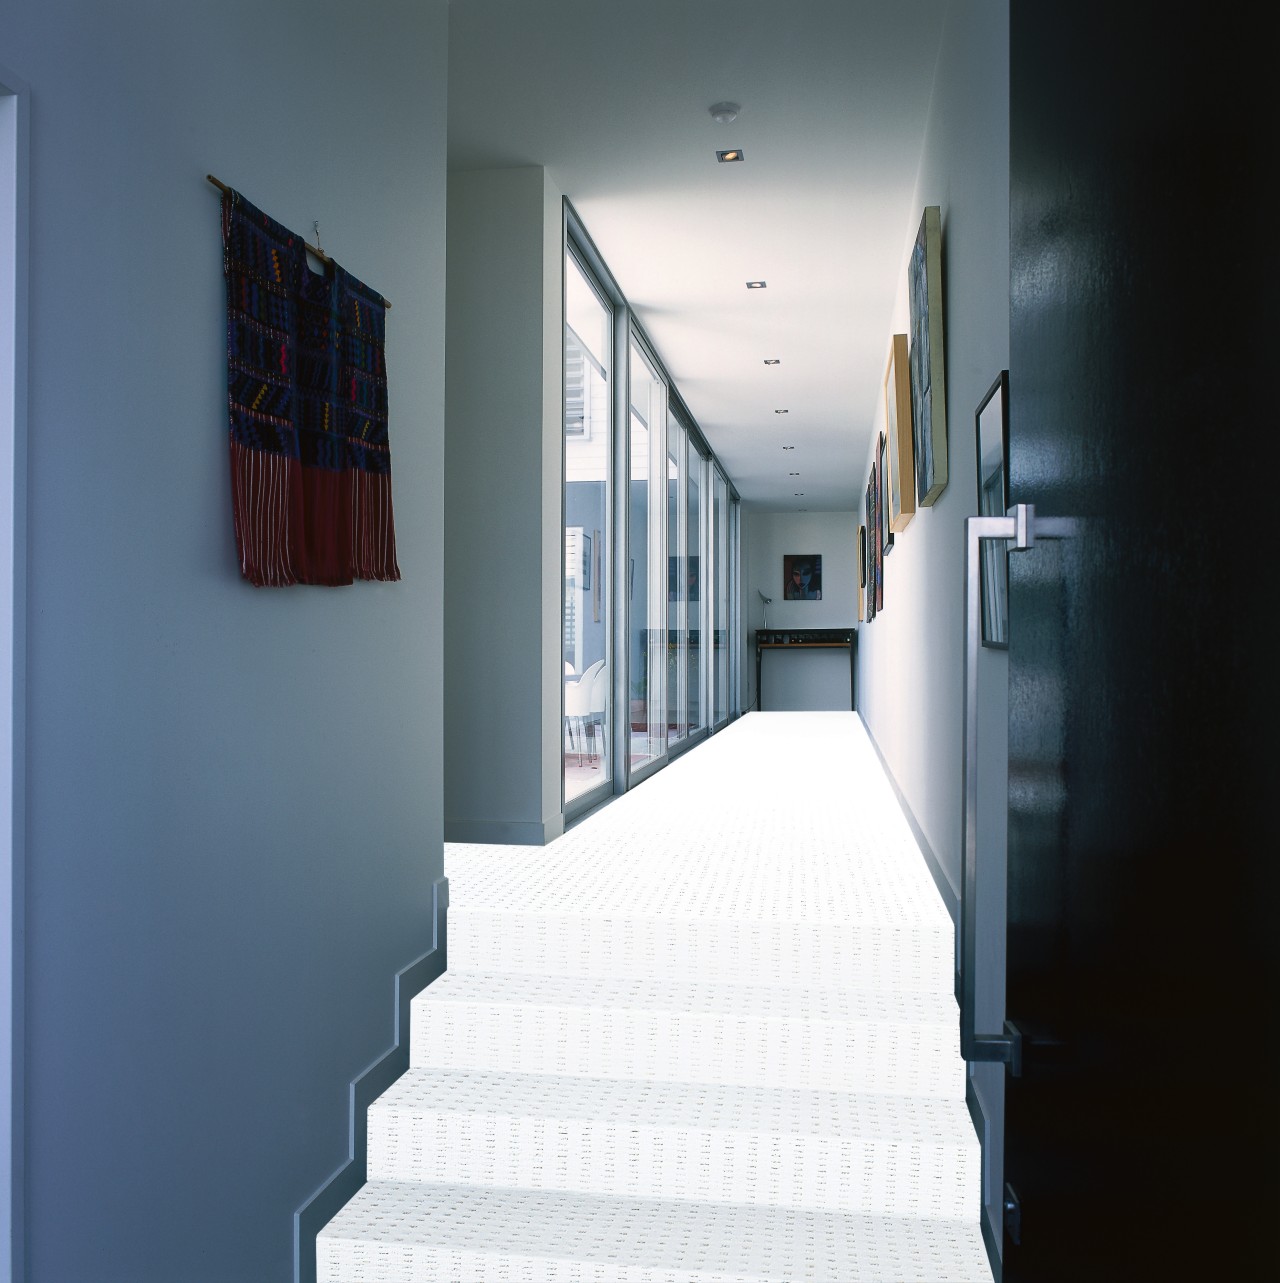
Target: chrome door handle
(1021,528)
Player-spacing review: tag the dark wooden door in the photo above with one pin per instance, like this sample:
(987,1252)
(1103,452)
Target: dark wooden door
(1143,1139)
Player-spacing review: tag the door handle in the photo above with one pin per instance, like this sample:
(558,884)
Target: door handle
(1020,528)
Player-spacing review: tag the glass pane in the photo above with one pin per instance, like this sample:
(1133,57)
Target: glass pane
(677,585)
(588,424)
(646,571)
(693,525)
(721,534)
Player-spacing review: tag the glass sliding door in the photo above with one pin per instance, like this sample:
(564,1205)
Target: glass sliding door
(695,511)
(646,587)
(723,569)
(588,454)
(677,582)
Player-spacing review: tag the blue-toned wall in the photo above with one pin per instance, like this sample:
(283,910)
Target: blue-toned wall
(233,794)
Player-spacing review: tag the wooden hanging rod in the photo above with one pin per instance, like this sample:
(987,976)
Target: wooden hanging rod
(311,249)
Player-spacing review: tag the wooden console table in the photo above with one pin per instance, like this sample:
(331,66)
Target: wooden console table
(809,639)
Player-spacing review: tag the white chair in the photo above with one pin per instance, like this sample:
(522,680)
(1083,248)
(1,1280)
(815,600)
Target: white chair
(577,701)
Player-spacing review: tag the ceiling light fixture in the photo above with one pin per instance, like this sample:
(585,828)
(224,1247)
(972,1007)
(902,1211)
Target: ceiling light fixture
(793,474)
(799,494)
(782,412)
(772,361)
(735,153)
(788,447)
(724,113)
(757,285)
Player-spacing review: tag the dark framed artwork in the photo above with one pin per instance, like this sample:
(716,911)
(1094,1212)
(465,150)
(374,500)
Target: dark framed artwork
(870,529)
(862,574)
(900,489)
(928,379)
(886,530)
(991,432)
(878,541)
(802,577)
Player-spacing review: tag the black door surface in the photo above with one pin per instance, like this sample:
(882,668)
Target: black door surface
(1143,1138)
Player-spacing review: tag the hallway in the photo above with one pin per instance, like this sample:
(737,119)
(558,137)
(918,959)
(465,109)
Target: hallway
(707,1035)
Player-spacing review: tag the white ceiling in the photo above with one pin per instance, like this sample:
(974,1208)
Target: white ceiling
(612,96)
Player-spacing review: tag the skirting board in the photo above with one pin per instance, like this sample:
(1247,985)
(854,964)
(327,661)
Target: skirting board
(324,1204)
(505,832)
(992,1240)
(950,895)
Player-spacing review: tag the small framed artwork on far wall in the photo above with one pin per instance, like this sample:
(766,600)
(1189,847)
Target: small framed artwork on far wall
(802,577)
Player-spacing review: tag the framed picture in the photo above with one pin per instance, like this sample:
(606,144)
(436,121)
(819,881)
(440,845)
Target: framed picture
(900,488)
(875,543)
(886,530)
(991,423)
(928,380)
(802,577)
(878,541)
(870,549)
(862,573)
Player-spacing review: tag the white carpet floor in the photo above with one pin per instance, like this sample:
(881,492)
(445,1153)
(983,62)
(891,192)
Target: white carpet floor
(708,1036)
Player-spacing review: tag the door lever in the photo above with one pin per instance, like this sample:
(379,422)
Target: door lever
(1020,528)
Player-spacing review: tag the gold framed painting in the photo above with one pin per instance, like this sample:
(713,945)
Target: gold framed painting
(900,488)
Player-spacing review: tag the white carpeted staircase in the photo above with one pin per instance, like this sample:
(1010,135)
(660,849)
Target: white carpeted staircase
(706,1037)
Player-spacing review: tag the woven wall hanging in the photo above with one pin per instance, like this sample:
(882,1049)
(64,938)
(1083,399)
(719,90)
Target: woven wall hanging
(307,395)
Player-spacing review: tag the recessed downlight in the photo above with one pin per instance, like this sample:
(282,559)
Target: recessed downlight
(782,412)
(772,360)
(788,447)
(728,157)
(799,494)
(757,285)
(793,474)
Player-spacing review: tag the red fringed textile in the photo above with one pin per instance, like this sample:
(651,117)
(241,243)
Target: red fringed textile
(307,395)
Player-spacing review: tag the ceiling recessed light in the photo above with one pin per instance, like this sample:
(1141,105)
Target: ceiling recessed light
(735,153)
(782,412)
(799,494)
(757,285)
(772,361)
(788,447)
(723,113)
(793,474)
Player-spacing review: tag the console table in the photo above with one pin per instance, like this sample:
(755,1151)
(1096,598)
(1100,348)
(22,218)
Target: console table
(809,639)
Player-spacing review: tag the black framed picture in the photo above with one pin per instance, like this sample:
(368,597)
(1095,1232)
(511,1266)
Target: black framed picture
(886,526)
(991,423)
(802,577)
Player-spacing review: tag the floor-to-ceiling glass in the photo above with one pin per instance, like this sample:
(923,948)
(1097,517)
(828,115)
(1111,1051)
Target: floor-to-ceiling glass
(588,452)
(677,583)
(696,538)
(646,587)
(723,570)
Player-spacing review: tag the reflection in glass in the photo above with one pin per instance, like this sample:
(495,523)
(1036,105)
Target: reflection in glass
(677,584)
(693,525)
(647,567)
(588,424)
(720,533)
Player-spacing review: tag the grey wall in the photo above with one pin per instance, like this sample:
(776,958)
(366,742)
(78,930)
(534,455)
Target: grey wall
(503,503)
(233,802)
(910,657)
(798,680)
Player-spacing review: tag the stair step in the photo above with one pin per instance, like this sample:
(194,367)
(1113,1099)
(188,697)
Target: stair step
(902,1044)
(417,1233)
(887,1155)
(898,957)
